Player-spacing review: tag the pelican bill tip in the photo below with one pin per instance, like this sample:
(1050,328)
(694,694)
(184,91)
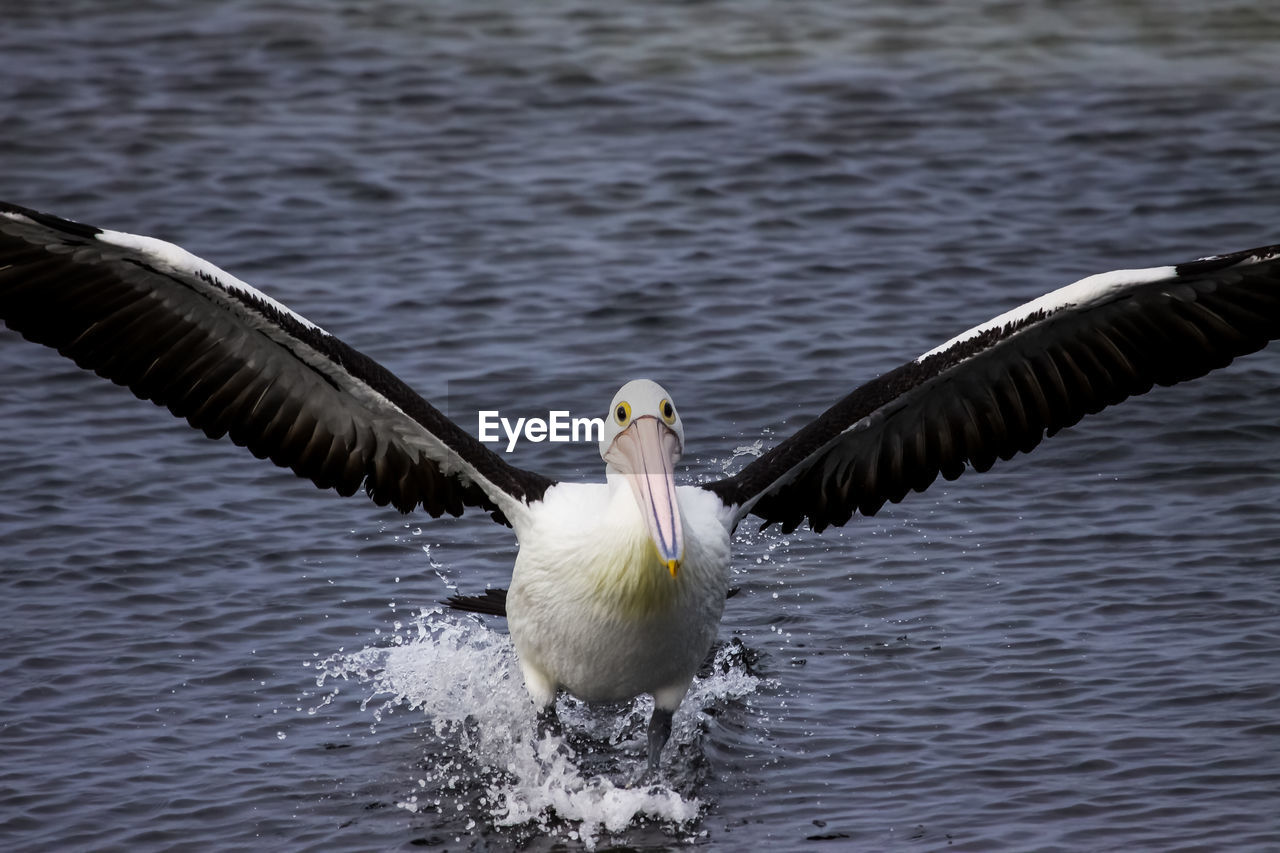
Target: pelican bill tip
(673,566)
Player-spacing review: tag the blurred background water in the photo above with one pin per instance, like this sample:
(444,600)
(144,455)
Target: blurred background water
(759,205)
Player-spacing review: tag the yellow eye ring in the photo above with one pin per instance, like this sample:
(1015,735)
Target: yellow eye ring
(622,413)
(668,411)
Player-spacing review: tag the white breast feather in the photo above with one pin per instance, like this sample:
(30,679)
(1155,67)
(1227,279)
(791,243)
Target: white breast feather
(592,609)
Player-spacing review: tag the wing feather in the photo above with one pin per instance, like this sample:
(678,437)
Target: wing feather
(232,361)
(1000,388)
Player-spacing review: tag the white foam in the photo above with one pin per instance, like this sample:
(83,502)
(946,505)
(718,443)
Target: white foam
(485,763)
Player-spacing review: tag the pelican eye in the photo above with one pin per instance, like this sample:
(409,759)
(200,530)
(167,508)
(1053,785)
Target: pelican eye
(622,413)
(668,411)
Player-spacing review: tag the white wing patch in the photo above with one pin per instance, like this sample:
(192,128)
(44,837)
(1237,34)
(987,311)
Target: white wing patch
(178,259)
(1082,292)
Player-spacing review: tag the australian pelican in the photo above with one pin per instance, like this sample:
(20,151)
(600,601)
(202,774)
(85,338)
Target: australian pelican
(618,587)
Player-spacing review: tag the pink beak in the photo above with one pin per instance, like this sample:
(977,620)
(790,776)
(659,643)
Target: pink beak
(646,452)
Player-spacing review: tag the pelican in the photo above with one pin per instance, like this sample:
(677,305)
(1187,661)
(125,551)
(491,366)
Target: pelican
(618,587)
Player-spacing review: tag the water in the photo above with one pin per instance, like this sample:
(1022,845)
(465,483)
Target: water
(760,206)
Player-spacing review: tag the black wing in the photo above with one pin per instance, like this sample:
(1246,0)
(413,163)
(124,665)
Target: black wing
(181,332)
(1001,387)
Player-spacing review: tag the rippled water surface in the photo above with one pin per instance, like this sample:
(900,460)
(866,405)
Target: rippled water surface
(759,205)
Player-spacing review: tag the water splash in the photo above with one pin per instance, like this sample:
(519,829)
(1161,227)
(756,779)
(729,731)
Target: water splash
(486,771)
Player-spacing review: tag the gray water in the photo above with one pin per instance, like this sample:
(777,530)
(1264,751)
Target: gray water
(759,205)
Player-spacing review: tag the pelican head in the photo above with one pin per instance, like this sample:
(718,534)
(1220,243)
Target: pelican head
(643,438)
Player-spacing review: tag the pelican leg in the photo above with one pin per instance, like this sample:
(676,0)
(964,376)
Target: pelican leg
(659,732)
(549,721)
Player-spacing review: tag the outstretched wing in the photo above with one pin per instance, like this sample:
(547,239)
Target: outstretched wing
(1000,387)
(232,361)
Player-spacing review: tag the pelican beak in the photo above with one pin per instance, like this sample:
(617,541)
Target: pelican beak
(646,452)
